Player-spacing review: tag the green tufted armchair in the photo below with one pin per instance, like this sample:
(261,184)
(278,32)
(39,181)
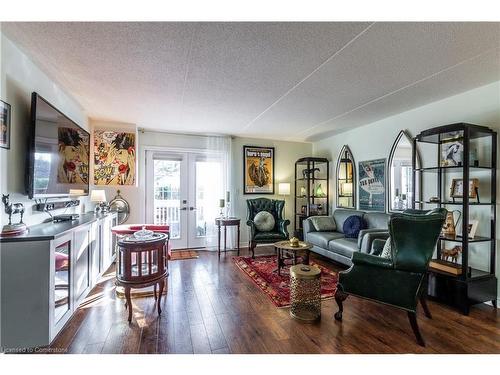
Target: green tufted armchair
(279,233)
(400,281)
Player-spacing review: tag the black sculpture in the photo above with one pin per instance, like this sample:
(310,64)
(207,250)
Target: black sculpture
(306,173)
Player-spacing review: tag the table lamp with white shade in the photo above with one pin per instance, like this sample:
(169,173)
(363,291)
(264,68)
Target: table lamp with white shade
(99,197)
(284,190)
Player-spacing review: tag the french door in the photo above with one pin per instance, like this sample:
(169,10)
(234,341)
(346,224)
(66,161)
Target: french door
(183,190)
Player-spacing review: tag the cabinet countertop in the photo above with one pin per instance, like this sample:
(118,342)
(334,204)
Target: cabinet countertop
(49,231)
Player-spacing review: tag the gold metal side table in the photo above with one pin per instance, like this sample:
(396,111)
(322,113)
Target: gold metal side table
(305,293)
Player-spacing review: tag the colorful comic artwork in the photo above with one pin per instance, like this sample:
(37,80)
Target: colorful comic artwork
(114,158)
(73,150)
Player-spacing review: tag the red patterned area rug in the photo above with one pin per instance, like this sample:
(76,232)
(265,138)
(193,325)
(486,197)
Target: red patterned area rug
(277,288)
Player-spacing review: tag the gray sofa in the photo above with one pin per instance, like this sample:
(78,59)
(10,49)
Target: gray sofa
(336,246)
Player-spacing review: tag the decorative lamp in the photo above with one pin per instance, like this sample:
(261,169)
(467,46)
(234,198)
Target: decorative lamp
(284,190)
(99,197)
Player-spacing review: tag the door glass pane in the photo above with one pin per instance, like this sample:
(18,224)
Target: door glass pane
(61,280)
(167,181)
(209,190)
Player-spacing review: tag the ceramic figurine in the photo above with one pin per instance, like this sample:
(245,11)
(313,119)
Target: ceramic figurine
(13,209)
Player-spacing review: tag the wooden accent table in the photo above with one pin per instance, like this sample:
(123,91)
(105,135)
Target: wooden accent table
(227,222)
(142,263)
(286,251)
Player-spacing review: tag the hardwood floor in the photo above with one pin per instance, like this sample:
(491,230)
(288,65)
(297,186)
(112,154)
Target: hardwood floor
(212,307)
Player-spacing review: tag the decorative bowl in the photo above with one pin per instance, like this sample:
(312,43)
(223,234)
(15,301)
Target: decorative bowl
(143,234)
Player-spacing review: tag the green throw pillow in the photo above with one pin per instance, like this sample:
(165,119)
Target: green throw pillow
(323,223)
(264,221)
(387,250)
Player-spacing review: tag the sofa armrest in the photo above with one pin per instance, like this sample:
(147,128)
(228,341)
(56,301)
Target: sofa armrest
(368,238)
(362,233)
(371,260)
(377,246)
(307,227)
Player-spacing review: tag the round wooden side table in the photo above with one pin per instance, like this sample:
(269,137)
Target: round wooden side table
(227,222)
(142,263)
(305,293)
(286,251)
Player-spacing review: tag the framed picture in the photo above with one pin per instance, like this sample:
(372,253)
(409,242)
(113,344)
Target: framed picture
(4,125)
(452,152)
(313,209)
(258,170)
(457,188)
(114,158)
(372,185)
(472,228)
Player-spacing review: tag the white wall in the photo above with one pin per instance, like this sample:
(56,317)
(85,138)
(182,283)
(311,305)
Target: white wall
(480,106)
(19,77)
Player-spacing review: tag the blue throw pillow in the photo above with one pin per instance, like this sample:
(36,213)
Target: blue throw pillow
(352,225)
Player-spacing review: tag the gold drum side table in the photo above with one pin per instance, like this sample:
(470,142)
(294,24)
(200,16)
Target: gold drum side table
(305,293)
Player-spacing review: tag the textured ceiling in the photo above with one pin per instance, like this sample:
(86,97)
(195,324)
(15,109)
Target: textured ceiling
(295,81)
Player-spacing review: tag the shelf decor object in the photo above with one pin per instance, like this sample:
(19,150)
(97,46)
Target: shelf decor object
(311,177)
(346,175)
(467,279)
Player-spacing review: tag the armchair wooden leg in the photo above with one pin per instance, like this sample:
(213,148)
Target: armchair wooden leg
(252,248)
(423,302)
(414,326)
(340,297)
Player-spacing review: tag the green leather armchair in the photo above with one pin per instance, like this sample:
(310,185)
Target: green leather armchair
(279,232)
(400,281)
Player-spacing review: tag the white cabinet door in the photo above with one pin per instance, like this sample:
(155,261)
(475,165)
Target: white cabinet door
(81,253)
(95,253)
(106,242)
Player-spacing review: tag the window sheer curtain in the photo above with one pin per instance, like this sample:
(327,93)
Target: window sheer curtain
(219,148)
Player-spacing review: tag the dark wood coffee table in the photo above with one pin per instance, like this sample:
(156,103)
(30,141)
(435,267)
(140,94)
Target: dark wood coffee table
(286,251)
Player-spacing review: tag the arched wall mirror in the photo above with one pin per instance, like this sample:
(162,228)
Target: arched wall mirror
(399,176)
(346,179)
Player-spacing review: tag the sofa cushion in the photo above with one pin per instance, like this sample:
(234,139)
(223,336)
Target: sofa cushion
(377,220)
(264,221)
(344,246)
(340,214)
(321,239)
(352,225)
(323,223)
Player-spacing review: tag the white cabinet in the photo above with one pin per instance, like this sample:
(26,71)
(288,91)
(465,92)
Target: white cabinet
(47,273)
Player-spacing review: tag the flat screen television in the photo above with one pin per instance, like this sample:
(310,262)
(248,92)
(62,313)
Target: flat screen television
(58,153)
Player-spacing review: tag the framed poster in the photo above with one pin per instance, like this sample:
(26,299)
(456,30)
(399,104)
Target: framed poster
(452,152)
(258,170)
(4,125)
(114,158)
(372,185)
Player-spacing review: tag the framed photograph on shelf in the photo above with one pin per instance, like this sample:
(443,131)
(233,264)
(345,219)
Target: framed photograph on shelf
(258,170)
(4,125)
(473,224)
(452,152)
(457,188)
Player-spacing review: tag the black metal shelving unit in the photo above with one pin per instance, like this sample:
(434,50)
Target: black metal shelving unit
(473,285)
(310,183)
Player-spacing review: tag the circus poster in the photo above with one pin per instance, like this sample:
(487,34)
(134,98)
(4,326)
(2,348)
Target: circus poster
(114,158)
(258,170)
(73,150)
